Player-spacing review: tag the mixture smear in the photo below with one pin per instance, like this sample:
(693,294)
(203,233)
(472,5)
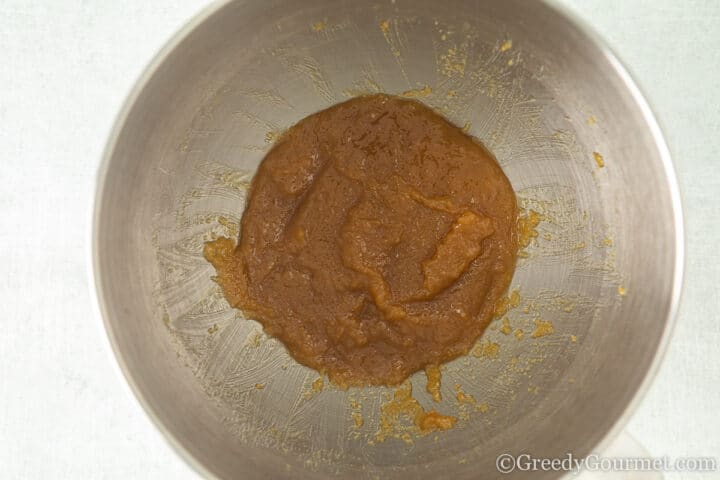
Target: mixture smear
(376,241)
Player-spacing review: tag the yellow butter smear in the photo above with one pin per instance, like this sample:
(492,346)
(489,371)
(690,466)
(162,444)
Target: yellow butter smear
(486,349)
(505,304)
(403,406)
(418,92)
(527,227)
(433,381)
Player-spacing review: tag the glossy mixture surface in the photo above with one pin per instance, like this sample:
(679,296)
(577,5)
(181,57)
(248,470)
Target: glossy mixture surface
(376,241)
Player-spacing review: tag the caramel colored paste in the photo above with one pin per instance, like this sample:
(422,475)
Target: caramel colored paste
(376,241)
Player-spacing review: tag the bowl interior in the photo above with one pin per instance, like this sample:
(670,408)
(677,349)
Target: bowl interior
(526,81)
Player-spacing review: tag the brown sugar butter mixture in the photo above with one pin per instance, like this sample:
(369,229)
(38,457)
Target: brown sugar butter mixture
(376,241)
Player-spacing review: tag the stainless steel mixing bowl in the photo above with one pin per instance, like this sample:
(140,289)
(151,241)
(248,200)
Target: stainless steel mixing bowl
(535,87)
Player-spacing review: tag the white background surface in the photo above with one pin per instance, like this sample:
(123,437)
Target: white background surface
(66,67)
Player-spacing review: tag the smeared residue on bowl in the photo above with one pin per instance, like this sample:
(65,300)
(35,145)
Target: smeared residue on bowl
(535,332)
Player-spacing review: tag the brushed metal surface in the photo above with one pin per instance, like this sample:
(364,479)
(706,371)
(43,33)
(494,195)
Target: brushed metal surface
(527,81)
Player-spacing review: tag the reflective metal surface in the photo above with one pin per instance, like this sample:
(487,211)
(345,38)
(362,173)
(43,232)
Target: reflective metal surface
(604,269)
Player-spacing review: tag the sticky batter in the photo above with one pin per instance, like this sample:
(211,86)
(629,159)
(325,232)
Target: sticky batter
(376,241)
